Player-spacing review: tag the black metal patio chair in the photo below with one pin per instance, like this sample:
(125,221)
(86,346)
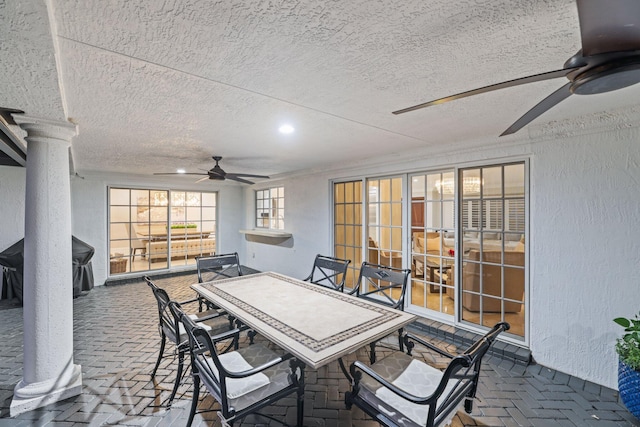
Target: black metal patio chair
(170,327)
(216,267)
(402,391)
(384,285)
(329,272)
(242,381)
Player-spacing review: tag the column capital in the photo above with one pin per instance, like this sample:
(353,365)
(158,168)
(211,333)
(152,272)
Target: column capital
(46,130)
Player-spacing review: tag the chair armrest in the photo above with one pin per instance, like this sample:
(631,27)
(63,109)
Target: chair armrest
(428,345)
(232,333)
(376,377)
(189,301)
(257,369)
(208,316)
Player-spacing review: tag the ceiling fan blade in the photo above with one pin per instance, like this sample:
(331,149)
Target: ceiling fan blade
(180,173)
(609,26)
(516,82)
(235,178)
(550,101)
(204,178)
(246,175)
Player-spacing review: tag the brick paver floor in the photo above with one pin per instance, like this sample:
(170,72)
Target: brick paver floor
(116,342)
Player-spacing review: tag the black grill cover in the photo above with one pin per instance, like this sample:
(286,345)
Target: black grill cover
(12,259)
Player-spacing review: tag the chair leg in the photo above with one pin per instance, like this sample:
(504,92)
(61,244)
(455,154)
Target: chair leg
(194,400)
(300,404)
(468,405)
(400,340)
(162,342)
(297,370)
(372,354)
(251,334)
(178,377)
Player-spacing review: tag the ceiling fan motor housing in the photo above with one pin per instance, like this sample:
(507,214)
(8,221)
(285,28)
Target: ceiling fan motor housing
(608,77)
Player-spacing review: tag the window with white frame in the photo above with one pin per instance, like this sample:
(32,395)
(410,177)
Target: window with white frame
(270,208)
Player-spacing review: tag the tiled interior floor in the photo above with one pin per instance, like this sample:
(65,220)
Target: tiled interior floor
(116,343)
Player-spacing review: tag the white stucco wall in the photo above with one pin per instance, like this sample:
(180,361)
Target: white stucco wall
(307,217)
(585,253)
(584,245)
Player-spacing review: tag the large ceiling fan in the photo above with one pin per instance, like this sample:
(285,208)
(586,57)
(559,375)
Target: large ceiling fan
(609,59)
(217,174)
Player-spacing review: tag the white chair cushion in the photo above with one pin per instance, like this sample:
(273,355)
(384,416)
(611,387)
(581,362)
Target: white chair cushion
(194,317)
(183,332)
(418,379)
(236,387)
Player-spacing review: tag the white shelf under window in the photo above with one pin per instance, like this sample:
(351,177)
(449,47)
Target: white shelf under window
(276,234)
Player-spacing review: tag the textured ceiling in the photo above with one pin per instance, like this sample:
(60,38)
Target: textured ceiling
(155,86)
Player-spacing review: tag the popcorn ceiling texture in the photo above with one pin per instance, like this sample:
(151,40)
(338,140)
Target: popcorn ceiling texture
(176,82)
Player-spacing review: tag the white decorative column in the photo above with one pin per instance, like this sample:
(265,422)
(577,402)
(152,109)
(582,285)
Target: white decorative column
(49,374)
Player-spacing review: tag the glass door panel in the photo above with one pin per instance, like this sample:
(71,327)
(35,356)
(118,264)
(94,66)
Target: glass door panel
(432,242)
(493,224)
(385,221)
(347,230)
(130,243)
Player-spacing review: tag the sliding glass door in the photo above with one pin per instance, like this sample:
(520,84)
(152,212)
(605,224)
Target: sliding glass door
(461,231)
(152,229)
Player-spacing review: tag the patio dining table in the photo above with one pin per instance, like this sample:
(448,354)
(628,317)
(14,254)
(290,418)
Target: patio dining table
(315,324)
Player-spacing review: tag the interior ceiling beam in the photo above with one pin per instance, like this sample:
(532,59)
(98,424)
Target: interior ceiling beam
(11,144)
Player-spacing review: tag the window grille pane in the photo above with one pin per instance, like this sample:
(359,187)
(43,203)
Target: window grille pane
(270,208)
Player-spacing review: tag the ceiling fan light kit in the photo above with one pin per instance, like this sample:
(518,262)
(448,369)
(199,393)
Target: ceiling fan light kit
(609,59)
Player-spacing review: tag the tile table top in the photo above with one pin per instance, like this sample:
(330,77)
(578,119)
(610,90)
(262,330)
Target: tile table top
(316,324)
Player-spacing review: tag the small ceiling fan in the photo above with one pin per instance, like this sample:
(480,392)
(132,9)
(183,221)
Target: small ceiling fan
(217,174)
(609,59)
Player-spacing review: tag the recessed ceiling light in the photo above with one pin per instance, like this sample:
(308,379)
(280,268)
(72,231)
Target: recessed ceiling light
(286,129)
(181,171)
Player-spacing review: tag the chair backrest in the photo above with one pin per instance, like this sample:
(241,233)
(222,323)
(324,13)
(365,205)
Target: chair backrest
(167,323)
(216,267)
(203,354)
(383,284)
(465,369)
(329,272)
